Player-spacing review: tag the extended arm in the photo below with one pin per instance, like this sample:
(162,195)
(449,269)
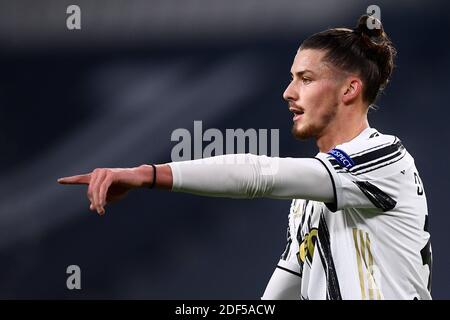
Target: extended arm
(233,175)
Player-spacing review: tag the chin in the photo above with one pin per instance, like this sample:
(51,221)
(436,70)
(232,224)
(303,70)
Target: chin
(302,133)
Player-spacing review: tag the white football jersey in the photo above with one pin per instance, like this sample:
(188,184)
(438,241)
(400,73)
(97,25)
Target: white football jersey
(372,242)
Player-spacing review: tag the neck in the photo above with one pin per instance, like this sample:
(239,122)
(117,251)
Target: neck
(341,131)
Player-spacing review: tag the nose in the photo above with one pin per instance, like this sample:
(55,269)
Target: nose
(290,94)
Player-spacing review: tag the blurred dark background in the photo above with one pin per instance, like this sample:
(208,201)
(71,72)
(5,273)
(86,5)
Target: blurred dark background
(111,94)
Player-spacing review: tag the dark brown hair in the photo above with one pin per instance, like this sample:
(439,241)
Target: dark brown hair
(367,52)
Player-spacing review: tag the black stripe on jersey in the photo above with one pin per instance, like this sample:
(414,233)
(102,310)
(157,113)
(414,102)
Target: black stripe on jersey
(372,148)
(333,205)
(334,162)
(324,264)
(381,161)
(426,254)
(290,271)
(379,153)
(309,217)
(367,155)
(376,147)
(300,236)
(285,254)
(372,168)
(379,198)
(305,205)
(382,165)
(333,289)
(299,230)
(390,152)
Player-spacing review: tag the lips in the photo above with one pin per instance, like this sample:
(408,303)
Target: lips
(298,113)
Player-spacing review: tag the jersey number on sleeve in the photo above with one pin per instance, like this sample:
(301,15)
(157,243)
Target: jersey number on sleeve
(418,183)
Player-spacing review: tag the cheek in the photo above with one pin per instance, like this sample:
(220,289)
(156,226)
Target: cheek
(316,97)
(322,97)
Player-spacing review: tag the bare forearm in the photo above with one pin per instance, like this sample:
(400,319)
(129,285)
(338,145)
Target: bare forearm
(164,179)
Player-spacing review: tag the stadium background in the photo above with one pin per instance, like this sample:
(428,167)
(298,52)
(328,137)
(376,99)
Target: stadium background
(110,95)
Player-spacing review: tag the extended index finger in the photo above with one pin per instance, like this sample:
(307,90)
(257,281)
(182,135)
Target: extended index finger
(78,179)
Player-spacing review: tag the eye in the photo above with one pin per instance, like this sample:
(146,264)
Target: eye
(306,80)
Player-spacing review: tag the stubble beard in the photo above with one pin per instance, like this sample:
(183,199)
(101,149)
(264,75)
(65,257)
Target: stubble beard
(313,130)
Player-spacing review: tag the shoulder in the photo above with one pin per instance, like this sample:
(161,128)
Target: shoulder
(369,152)
(369,141)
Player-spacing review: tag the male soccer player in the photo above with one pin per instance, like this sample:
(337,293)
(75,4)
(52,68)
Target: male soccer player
(358,222)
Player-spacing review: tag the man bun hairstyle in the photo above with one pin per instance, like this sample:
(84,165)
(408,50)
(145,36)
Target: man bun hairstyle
(365,51)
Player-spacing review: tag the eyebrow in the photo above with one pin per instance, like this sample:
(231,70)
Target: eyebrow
(299,74)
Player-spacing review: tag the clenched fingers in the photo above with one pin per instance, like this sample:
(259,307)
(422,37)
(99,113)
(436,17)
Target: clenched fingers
(103,191)
(89,192)
(97,191)
(94,187)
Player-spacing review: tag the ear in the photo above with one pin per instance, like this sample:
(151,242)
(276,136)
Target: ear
(352,90)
